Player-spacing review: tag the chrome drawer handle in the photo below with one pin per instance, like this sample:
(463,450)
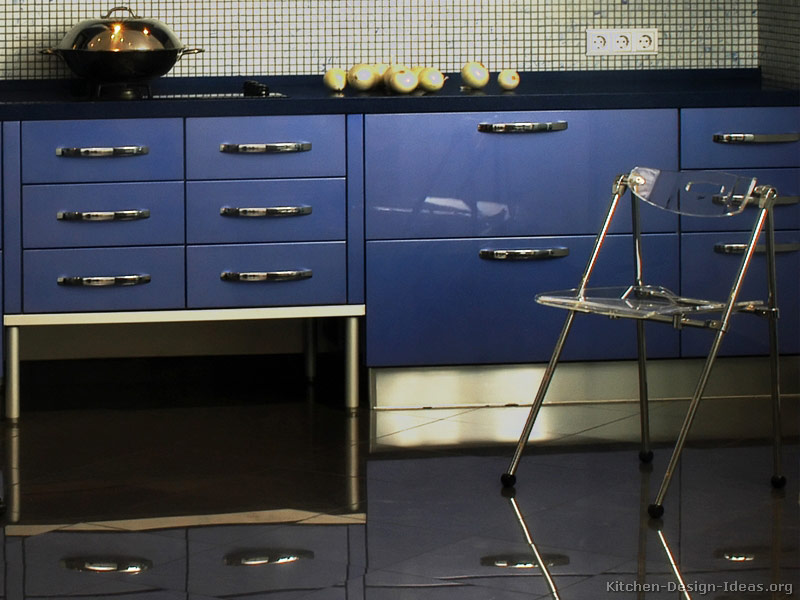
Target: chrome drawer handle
(114,215)
(261,276)
(102,152)
(132,566)
(105,281)
(521,127)
(267,211)
(723,248)
(267,556)
(273,148)
(524,254)
(755,138)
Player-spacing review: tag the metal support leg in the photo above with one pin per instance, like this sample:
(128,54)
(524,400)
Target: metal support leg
(509,478)
(310,349)
(778,479)
(12,374)
(656,509)
(351,364)
(645,453)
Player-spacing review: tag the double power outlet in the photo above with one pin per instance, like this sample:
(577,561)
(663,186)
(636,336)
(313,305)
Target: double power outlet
(621,42)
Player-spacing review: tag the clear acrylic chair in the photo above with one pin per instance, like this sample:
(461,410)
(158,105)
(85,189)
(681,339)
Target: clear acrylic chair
(690,193)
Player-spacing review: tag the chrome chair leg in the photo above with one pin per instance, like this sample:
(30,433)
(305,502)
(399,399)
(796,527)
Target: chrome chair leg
(656,509)
(778,479)
(509,478)
(645,453)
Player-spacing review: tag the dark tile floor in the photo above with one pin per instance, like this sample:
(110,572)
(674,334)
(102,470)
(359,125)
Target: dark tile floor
(264,491)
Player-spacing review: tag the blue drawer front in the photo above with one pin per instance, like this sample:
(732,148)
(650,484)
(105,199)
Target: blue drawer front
(325,133)
(325,198)
(42,228)
(42,268)
(436,302)
(325,260)
(699,125)
(436,175)
(786,181)
(163,139)
(748,334)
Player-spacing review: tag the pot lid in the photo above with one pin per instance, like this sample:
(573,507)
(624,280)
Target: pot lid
(114,34)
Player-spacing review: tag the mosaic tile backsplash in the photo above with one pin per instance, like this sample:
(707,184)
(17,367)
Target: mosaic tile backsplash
(294,37)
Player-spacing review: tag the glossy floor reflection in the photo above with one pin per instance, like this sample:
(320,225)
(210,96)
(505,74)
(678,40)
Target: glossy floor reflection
(264,496)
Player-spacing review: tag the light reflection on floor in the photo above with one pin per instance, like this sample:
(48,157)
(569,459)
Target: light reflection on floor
(294,499)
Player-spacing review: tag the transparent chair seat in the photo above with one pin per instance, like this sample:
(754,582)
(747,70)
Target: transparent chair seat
(633,302)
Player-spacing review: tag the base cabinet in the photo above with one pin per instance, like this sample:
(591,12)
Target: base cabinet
(440,302)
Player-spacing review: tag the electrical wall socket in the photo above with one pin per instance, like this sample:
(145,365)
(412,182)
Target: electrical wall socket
(621,42)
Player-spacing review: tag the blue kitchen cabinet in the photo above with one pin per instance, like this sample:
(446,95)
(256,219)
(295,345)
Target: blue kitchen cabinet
(757,142)
(439,190)
(102,150)
(277,210)
(103,279)
(293,274)
(439,175)
(265,147)
(102,214)
(731,138)
(267,221)
(434,302)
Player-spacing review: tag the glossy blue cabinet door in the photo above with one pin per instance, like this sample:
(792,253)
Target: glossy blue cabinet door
(700,125)
(162,138)
(709,274)
(163,223)
(314,210)
(43,268)
(324,158)
(436,175)
(324,263)
(786,181)
(436,302)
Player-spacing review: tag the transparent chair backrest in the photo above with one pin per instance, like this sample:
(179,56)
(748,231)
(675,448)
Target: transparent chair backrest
(695,193)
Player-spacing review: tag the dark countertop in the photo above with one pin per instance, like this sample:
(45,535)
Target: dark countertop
(67,99)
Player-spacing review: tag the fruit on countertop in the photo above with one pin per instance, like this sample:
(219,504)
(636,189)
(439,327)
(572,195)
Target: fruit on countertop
(401,81)
(362,76)
(335,79)
(508,79)
(431,80)
(474,75)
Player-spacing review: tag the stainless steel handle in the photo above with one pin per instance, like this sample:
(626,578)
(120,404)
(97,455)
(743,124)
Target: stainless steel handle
(261,276)
(523,254)
(723,248)
(267,211)
(266,556)
(113,215)
(271,148)
(521,127)
(755,138)
(102,151)
(132,566)
(104,281)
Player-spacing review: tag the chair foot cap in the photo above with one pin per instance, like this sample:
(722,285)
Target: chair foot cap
(508,480)
(778,481)
(655,511)
(645,457)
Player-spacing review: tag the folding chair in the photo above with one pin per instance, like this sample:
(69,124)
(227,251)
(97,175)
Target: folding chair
(690,193)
